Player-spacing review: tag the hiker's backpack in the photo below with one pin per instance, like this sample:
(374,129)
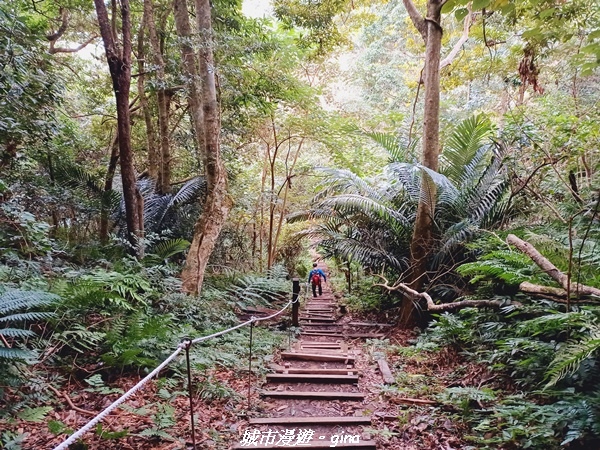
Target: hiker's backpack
(315,279)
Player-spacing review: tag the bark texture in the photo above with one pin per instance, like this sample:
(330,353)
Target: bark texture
(423,238)
(216,204)
(119,63)
(163,100)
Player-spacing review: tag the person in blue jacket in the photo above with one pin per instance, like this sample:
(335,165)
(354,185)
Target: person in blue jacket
(315,278)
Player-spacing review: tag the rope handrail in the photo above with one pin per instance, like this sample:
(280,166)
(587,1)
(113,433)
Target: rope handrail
(186,343)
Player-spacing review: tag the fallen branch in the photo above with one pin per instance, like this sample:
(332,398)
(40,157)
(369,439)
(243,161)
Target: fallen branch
(70,402)
(413,401)
(552,271)
(447,307)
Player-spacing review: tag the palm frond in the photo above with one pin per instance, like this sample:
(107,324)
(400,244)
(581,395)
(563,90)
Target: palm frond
(390,144)
(463,145)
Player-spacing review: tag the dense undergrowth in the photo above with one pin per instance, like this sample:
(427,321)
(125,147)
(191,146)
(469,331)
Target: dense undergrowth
(89,330)
(523,376)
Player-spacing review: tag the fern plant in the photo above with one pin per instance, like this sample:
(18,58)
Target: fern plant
(18,307)
(572,357)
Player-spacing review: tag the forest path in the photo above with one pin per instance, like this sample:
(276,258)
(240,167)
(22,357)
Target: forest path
(314,399)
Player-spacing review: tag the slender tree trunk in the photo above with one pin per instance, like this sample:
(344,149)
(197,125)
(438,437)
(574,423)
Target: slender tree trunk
(272,197)
(108,184)
(287,184)
(151,140)
(163,101)
(423,238)
(119,63)
(217,204)
(190,70)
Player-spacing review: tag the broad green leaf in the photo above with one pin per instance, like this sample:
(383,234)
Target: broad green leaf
(448,6)
(461,13)
(531,34)
(507,9)
(591,49)
(594,35)
(480,4)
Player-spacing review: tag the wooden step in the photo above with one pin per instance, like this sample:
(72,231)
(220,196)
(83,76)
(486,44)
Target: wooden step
(321,371)
(317,357)
(318,329)
(330,395)
(369,324)
(311,378)
(317,319)
(318,420)
(320,333)
(331,345)
(326,443)
(364,335)
(316,316)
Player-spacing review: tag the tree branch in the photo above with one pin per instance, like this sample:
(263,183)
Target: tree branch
(53,50)
(447,307)
(416,18)
(465,36)
(64,23)
(552,271)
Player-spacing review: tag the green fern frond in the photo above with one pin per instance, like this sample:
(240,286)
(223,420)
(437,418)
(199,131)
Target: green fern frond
(15,300)
(15,354)
(463,145)
(570,358)
(171,247)
(16,332)
(26,316)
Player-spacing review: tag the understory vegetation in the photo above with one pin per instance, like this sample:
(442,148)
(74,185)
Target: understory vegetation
(167,169)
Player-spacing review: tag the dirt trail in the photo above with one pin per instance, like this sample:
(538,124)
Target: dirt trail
(314,398)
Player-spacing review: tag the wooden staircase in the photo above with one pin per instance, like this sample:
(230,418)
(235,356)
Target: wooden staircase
(318,370)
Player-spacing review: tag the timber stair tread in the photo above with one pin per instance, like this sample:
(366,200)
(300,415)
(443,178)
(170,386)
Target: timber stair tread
(315,395)
(315,420)
(301,370)
(310,378)
(317,357)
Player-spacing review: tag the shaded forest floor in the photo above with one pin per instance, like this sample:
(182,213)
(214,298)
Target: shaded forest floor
(406,415)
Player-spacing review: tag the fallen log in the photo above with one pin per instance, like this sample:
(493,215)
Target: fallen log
(543,263)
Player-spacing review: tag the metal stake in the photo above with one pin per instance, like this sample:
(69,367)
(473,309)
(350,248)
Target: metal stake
(188,344)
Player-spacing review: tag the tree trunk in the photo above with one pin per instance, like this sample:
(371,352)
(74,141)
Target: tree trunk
(153,155)
(162,100)
(190,70)
(217,204)
(287,184)
(119,63)
(108,184)
(422,239)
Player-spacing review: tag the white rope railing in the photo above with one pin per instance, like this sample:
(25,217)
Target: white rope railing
(88,426)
